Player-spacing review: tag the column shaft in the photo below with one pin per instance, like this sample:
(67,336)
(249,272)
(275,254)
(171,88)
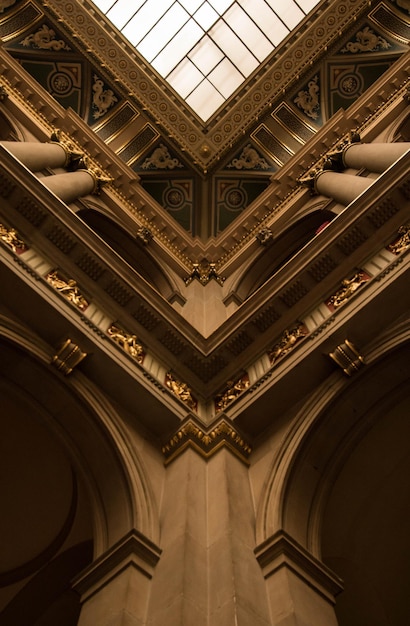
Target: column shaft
(208,573)
(375,157)
(344,188)
(37,156)
(70,186)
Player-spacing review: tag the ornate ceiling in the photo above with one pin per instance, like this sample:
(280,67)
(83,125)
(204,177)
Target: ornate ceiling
(205,174)
(213,211)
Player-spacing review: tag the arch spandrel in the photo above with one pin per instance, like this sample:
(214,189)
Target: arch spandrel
(93,435)
(320,437)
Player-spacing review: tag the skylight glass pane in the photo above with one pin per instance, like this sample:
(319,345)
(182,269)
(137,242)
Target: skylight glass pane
(191,5)
(246,29)
(205,100)
(122,11)
(220,5)
(226,78)
(213,34)
(104,5)
(177,48)
(307,5)
(185,77)
(267,21)
(144,20)
(163,32)
(233,48)
(206,16)
(206,55)
(288,11)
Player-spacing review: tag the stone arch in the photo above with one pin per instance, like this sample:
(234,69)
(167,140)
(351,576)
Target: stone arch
(322,435)
(130,250)
(91,433)
(9,128)
(277,253)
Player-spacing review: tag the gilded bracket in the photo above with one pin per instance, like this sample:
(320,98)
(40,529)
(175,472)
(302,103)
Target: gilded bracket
(203,272)
(347,357)
(67,357)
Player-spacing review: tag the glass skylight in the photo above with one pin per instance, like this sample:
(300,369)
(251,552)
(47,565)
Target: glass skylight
(205,50)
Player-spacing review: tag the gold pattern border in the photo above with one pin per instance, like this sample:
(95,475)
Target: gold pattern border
(207,441)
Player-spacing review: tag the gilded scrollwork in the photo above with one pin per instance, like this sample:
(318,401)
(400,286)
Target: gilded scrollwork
(249,159)
(161,159)
(75,159)
(308,99)
(264,236)
(233,390)
(348,288)
(287,342)
(103,99)
(366,41)
(144,235)
(401,243)
(10,237)
(68,288)
(128,342)
(44,39)
(182,391)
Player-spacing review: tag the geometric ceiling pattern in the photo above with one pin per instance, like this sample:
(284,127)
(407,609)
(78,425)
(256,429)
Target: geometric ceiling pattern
(206,174)
(205,50)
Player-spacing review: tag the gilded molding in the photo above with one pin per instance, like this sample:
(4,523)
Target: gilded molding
(276,76)
(207,441)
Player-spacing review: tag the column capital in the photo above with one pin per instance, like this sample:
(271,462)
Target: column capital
(207,440)
(281,551)
(133,550)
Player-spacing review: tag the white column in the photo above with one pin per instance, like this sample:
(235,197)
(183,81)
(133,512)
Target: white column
(344,188)
(70,186)
(36,156)
(376,157)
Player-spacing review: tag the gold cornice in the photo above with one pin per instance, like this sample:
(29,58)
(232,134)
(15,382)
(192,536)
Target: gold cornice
(141,84)
(206,441)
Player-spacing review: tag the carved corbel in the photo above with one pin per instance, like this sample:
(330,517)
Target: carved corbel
(347,357)
(203,272)
(67,357)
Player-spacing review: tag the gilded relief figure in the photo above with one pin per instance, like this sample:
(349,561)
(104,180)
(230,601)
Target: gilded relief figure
(11,238)
(403,242)
(69,289)
(349,287)
(182,391)
(233,391)
(129,343)
(287,342)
